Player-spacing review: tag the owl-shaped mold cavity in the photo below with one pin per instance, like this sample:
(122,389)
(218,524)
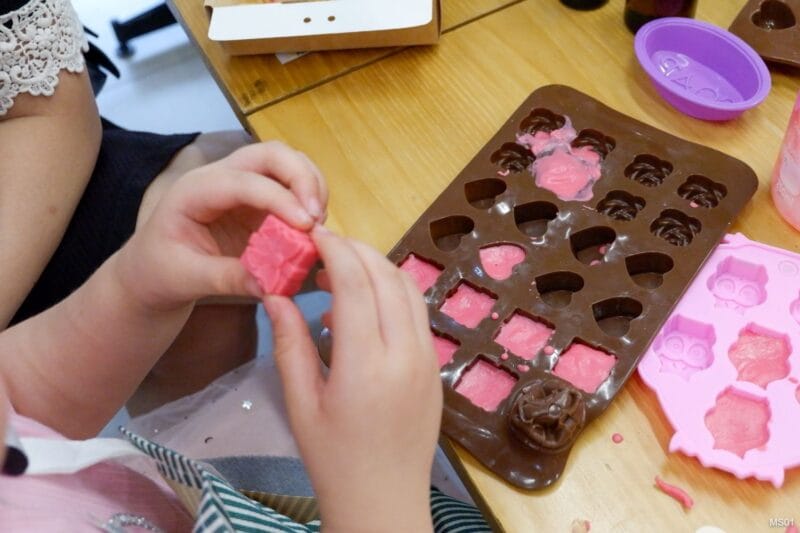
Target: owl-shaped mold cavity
(738,285)
(685,346)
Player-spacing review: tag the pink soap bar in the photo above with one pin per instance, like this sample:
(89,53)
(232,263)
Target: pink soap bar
(584,367)
(760,359)
(445,348)
(523,336)
(279,257)
(498,261)
(423,272)
(468,306)
(485,385)
(738,423)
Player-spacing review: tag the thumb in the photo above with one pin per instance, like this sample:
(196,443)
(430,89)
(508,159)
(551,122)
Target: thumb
(222,276)
(295,354)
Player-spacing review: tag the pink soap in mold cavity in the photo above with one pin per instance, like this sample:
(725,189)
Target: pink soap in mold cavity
(423,272)
(725,366)
(499,260)
(485,385)
(445,348)
(585,367)
(524,336)
(468,306)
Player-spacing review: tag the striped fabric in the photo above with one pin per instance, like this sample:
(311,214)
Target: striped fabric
(219,508)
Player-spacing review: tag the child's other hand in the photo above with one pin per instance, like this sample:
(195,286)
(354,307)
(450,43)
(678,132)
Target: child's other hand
(368,430)
(189,247)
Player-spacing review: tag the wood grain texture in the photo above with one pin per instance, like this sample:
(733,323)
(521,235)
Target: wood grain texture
(252,82)
(391,136)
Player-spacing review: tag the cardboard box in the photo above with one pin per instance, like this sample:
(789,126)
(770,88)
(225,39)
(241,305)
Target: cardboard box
(254,27)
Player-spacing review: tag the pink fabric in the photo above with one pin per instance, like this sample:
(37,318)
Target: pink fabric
(79,502)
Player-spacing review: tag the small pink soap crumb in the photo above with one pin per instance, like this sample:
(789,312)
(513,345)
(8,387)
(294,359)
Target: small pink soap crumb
(424,273)
(523,368)
(504,356)
(485,385)
(468,306)
(549,350)
(792,529)
(677,493)
(594,262)
(523,336)
(617,438)
(693,204)
(279,257)
(445,348)
(580,526)
(499,260)
(495,316)
(584,367)
(503,173)
(603,249)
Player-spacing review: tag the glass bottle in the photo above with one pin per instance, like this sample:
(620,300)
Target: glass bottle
(640,12)
(583,4)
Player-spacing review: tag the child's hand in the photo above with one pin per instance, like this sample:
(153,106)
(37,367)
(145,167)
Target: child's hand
(368,430)
(189,247)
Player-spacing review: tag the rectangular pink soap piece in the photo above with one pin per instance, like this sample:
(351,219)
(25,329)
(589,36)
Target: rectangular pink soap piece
(584,367)
(445,348)
(279,257)
(423,272)
(485,385)
(523,337)
(468,306)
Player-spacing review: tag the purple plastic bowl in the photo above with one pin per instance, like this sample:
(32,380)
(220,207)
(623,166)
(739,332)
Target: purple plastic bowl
(700,69)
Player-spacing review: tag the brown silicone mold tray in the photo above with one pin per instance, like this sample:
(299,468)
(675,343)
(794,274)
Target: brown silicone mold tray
(541,307)
(770,27)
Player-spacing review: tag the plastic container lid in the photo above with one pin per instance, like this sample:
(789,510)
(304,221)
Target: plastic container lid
(702,70)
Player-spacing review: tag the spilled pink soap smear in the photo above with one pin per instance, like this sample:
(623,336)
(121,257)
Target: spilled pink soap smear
(485,385)
(468,306)
(424,273)
(523,336)
(674,492)
(584,367)
(445,348)
(569,173)
(738,423)
(617,438)
(759,358)
(498,261)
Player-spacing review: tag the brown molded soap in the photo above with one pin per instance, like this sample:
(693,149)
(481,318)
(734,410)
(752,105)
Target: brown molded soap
(597,280)
(770,27)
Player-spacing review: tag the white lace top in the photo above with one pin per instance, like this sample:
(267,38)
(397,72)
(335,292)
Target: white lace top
(36,42)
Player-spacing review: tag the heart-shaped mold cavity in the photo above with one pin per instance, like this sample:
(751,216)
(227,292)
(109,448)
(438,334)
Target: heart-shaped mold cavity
(445,347)
(675,227)
(447,232)
(532,218)
(590,245)
(760,355)
(542,119)
(482,194)
(702,192)
(523,335)
(513,157)
(468,305)
(615,314)
(738,284)
(584,367)
(602,144)
(739,421)
(648,170)
(621,205)
(423,271)
(547,415)
(685,346)
(485,385)
(647,269)
(773,15)
(556,288)
(498,260)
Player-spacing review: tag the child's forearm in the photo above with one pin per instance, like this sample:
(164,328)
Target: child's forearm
(73,366)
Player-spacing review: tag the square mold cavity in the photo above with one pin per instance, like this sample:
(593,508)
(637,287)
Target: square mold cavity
(485,385)
(445,348)
(422,271)
(524,336)
(468,305)
(585,367)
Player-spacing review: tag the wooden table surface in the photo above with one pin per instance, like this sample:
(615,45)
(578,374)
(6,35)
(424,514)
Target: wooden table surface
(252,82)
(391,136)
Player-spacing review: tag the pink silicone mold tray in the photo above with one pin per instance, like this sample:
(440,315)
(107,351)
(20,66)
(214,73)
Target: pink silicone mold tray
(726,365)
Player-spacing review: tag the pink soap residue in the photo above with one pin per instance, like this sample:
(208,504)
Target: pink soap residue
(759,358)
(424,273)
(675,492)
(580,526)
(523,336)
(468,306)
(504,356)
(617,438)
(523,368)
(797,394)
(485,385)
(569,173)
(792,529)
(549,350)
(584,367)
(495,316)
(738,423)
(445,348)
(498,261)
